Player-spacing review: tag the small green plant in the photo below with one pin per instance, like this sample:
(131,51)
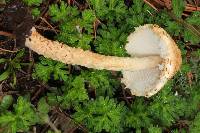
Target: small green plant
(137,116)
(48,68)
(102,114)
(35,12)
(12,66)
(111,41)
(32,2)
(184,27)
(154,129)
(166,106)
(76,27)
(20,119)
(195,128)
(108,10)
(193,101)
(24,115)
(138,15)
(189,34)
(6,102)
(102,81)
(70,95)
(35,6)
(63,12)
(42,112)
(178,7)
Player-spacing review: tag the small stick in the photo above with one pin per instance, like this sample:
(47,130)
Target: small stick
(43,19)
(5,50)
(151,5)
(3,33)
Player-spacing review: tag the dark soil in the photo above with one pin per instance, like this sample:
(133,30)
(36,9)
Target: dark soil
(17,20)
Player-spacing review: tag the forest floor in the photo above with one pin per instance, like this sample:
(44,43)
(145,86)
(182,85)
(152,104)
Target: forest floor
(40,95)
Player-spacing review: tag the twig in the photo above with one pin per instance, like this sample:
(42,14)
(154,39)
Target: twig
(53,127)
(45,28)
(196,2)
(37,93)
(187,25)
(178,20)
(3,33)
(151,5)
(34,129)
(169,4)
(5,50)
(160,2)
(43,19)
(31,60)
(124,95)
(46,127)
(59,111)
(9,92)
(191,8)
(96,23)
(47,121)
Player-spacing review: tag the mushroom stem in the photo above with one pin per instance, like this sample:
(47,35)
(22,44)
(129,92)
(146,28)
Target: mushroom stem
(76,56)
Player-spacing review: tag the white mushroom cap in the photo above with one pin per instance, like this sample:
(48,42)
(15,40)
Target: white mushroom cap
(146,41)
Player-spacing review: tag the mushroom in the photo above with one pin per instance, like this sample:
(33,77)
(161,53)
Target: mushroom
(145,41)
(154,58)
